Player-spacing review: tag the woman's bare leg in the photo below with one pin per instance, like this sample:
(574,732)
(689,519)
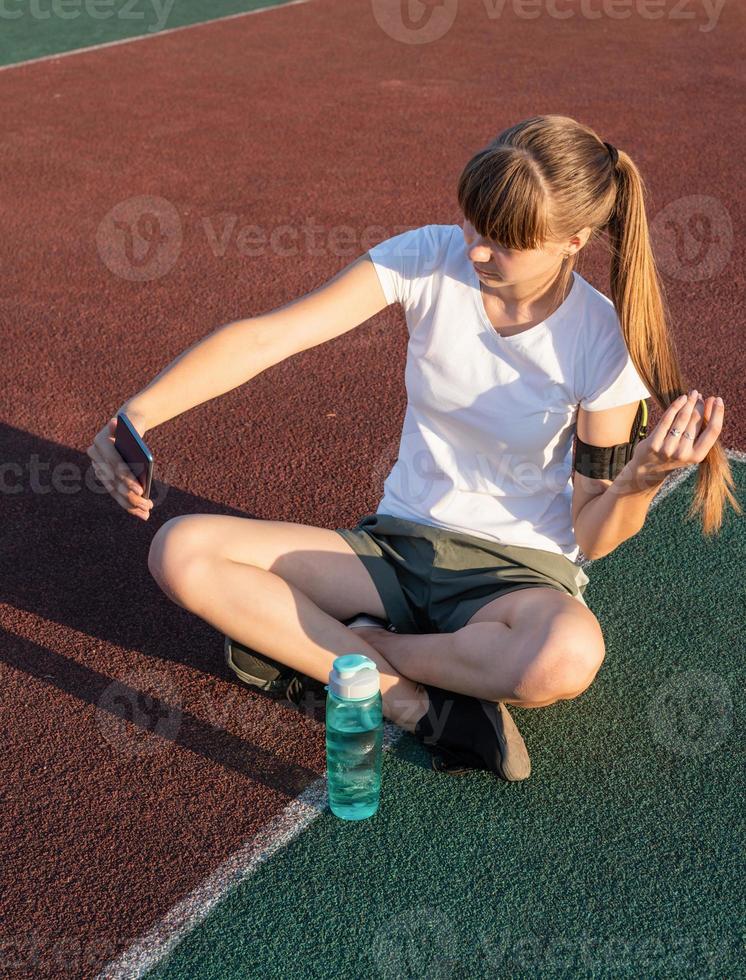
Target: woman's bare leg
(211,565)
(531,647)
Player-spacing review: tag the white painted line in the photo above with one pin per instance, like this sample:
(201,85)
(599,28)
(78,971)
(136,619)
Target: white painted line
(147,37)
(144,954)
(163,938)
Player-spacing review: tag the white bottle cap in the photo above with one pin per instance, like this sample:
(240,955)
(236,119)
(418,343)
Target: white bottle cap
(354,677)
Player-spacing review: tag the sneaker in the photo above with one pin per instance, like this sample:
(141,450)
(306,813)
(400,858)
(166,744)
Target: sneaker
(274,678)
(472,734)
(257,670)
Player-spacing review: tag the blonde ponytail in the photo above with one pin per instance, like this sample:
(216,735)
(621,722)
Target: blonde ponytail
(639,301)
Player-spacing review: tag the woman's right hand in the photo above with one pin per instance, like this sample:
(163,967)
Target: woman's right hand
(114,473)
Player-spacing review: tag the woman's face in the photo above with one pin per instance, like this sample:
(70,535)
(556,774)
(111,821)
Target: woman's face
(496,265)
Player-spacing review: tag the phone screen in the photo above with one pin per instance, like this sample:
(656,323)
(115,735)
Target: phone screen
(134,452)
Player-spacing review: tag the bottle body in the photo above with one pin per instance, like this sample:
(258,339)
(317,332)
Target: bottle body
(354,755)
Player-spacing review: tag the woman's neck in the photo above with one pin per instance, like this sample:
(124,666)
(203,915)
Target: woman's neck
(526,303)
(521,301)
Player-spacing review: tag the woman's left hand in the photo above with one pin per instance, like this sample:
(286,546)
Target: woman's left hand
(663,450)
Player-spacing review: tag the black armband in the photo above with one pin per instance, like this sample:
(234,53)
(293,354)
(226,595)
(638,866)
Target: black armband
(607,462)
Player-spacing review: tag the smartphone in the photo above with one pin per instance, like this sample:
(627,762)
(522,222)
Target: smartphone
(134,452)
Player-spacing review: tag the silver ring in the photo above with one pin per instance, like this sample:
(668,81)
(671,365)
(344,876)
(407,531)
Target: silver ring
(674,432)
(686,435)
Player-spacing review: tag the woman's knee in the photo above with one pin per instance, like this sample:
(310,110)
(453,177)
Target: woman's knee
(562,665)
(177,556)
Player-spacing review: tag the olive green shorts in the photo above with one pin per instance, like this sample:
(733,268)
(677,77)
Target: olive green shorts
(433,580)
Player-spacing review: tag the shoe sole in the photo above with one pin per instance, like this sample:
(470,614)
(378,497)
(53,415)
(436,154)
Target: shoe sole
(516,762)
(363,620)
(276,686)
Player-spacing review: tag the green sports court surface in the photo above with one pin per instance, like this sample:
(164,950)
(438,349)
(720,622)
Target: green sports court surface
(34,29)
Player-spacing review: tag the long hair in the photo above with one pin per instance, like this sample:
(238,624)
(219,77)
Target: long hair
(549,177)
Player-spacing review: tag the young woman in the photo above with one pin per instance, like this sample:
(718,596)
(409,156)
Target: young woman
(468,566)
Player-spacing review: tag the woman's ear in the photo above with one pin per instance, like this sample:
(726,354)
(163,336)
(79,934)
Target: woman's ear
(577,241)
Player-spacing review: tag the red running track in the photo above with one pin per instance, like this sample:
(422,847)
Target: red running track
(308,115)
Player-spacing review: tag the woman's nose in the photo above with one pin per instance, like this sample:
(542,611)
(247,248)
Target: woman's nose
(477,248)
(479,252)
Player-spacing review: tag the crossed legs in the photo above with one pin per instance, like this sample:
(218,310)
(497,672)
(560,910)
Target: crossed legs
(530,647)
(282,588)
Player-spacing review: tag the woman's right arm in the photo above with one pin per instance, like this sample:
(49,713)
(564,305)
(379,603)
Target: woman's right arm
(232,355)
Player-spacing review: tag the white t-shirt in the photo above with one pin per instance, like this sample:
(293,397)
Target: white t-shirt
(486,445)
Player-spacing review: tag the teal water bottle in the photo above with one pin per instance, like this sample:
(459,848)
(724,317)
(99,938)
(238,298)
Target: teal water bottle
(354,737)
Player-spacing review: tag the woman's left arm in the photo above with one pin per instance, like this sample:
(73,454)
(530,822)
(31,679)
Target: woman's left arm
(683,437)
